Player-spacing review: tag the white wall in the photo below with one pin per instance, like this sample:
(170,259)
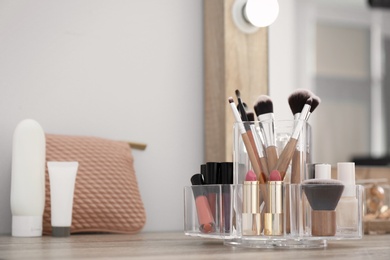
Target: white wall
(283,59)
(125,70)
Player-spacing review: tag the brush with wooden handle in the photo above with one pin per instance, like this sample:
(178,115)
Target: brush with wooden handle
(288,151)
(259,144)
(249,148)
(297,101)
(265,114)
(242,108)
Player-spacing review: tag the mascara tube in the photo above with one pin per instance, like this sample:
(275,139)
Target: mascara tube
(205,217)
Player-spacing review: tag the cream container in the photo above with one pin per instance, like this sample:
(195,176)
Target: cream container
(28,179)
(62,176)
(347,208)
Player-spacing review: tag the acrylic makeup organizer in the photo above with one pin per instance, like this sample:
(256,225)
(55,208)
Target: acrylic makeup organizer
(227,206)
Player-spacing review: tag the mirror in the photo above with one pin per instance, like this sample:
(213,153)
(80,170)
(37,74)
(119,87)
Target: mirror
(344,52)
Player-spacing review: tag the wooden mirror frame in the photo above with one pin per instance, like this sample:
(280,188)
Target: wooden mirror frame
(232,60)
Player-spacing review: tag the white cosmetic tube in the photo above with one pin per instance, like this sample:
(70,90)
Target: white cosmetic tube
(62,177)
(28,179)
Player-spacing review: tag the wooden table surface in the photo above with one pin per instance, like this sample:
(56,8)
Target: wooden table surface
(178,246)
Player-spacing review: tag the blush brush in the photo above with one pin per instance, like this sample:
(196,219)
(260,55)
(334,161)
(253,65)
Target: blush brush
(288,151)
(265,114)
(297,101)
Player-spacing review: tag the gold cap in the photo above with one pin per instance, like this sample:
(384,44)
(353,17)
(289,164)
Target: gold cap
(251,197)
(273,218)
(251,224)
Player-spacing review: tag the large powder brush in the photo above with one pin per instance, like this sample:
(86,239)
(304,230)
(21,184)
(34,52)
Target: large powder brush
(323,196)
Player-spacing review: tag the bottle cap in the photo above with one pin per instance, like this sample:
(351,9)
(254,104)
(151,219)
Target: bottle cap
(323,171)
(226,173)
(60,231)
(26,226)
(212,173)
(346,174)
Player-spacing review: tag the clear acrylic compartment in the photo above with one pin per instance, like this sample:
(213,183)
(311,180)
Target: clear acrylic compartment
(278,214)
(293,223)
(209,211)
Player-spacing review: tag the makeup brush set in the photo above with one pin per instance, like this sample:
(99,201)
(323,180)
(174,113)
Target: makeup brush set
(279,198)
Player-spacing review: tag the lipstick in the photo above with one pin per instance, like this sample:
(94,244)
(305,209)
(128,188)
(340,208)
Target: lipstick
(205,217)
(251,221)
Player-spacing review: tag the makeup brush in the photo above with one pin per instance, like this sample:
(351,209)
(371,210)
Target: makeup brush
(288,151)
(297,101)
(251,150)
(265,113)
(250,131)
(323,196)
(259,143)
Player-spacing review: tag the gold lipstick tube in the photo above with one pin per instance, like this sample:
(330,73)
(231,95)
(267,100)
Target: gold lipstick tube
(251,221)
(273,218)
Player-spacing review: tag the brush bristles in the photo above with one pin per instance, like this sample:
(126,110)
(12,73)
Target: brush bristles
(238,94)
(251,116)
(315,103)
(231,100)
(263,105)
(298,99)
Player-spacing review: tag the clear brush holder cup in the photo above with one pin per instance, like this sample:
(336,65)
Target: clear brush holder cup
(269,138)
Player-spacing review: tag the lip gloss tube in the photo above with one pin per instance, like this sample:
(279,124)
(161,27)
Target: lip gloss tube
(205,217)
(226,180)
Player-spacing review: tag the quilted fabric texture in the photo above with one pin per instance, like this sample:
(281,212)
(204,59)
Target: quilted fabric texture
(106,197)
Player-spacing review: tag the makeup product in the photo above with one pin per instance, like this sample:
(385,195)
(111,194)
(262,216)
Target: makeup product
(251,135)
(212,177)
(323,171)
(297,101)
(251,221)
(259,143)
(62,176)
(250,150)
(288,151)
(347,208)
(226,181)
(273,218)
(28,179)
(264,111)
(205,218)
(275,176)
(323,196)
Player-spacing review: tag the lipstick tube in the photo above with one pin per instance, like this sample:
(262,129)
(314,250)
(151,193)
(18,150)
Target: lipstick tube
(273,218)
(251,221)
